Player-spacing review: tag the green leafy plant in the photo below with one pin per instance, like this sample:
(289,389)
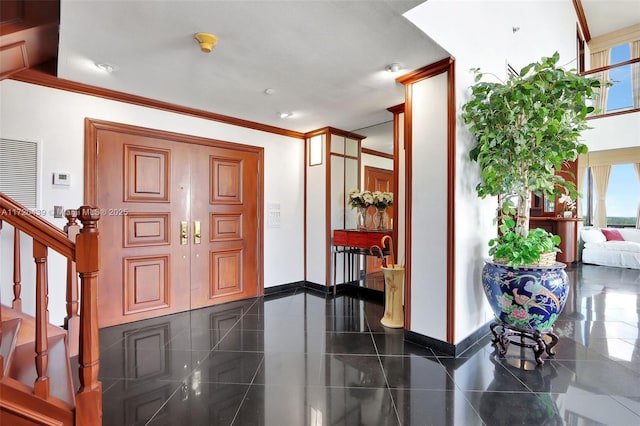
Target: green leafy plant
(517,249)
(526,128)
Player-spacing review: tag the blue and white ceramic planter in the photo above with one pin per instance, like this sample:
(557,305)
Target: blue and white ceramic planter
(527,298)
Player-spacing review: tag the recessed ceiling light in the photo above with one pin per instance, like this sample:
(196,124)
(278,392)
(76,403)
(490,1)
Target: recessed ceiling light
(285,114)
(103,66)
(269,91)
(394,67)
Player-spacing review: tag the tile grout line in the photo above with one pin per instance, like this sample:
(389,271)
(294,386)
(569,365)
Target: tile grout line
(182,382)
(384,374)
(244,397)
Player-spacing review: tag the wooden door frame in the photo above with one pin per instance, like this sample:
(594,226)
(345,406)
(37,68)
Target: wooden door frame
(93,126)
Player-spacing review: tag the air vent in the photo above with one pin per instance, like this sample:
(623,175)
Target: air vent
(19,171)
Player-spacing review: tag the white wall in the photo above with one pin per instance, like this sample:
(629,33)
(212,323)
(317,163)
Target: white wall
(373,161)
(56,118)
(481,34)
(429,208)
(316,218)
(618,131)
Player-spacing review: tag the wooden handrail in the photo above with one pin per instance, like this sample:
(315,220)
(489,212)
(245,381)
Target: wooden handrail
(39,229)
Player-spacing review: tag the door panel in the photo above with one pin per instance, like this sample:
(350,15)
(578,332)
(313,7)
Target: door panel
(146,174)
(148,187)
(146,283)
(228,218)
(143,191)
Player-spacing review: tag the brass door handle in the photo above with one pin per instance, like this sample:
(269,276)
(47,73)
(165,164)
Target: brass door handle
(184,233)
(196,232)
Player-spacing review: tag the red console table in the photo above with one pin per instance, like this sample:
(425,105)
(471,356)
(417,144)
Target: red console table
(355,242)
(359,239)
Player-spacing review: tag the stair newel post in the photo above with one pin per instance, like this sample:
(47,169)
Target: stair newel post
(72,320)
(17,277)
(89,397)
(41,385)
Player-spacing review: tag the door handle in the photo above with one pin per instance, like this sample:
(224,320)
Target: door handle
(184,233)
(196,232)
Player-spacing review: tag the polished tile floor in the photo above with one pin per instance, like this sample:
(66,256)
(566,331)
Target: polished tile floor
(302,358)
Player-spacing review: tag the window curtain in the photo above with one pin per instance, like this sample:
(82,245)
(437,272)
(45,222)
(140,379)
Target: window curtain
(601,59)
(582,171)
(635,75)
(601,182)
(637,167)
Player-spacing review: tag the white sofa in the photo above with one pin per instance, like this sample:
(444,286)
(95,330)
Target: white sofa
(600,251)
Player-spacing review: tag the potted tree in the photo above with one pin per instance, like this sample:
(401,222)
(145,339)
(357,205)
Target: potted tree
(526,128)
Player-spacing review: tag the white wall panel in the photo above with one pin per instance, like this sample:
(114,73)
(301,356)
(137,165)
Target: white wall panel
(429,207)
(316,220)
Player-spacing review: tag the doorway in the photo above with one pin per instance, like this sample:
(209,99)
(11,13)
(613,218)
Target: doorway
(180,226)
(377,179)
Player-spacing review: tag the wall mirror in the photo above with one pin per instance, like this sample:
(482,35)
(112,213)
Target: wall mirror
(376,173)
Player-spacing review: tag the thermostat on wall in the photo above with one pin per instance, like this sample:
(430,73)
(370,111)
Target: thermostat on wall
(62,179)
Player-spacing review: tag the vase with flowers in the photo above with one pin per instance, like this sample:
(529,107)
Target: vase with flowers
(382,201)
(568,205)
(363,200)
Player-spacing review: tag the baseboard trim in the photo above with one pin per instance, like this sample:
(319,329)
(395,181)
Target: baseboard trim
(282,288)
(346,288)
(467,345)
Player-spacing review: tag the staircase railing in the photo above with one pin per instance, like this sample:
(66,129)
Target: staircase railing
(80,246)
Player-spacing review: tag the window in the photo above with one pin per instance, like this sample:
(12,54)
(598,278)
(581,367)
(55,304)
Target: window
(623,196)
(620,94)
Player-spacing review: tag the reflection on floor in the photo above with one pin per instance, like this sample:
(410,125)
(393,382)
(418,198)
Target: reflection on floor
(303,358)
(373,281)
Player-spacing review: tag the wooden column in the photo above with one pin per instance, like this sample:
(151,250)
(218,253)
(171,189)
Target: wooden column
(89,397)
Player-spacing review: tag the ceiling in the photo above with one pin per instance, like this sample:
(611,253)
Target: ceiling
(605,16)
(324,60)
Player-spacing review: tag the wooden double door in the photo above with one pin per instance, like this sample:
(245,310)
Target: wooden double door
(180,227)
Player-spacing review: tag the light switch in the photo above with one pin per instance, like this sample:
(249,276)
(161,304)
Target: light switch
(273,215)
(58,211)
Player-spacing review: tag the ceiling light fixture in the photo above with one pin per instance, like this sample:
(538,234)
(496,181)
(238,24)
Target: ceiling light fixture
(269,91)
(394,67)
(285,114)
(103,66)
(207,41)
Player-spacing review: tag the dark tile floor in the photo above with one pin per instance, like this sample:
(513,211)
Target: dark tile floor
(302,358)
